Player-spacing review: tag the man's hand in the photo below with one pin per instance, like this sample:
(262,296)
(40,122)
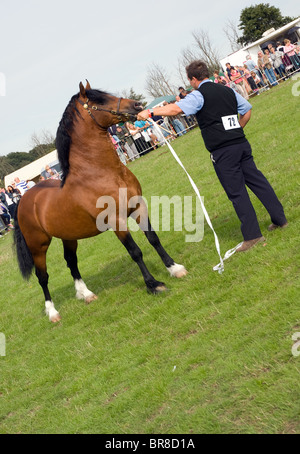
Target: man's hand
(143,115)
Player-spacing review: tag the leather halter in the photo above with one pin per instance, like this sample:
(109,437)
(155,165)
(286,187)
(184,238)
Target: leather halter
(117,112)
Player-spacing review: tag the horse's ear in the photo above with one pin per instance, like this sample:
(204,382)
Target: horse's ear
(88,87)
(82,90)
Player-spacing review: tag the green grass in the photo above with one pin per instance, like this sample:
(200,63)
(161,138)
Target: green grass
(109,367)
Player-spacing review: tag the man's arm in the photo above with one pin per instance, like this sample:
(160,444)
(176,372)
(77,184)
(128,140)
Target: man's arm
(243,119)
(168,110)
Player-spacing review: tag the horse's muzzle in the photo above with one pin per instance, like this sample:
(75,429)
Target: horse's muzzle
(138,106)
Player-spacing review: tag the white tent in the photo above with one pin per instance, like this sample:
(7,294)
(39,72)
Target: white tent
(33,170)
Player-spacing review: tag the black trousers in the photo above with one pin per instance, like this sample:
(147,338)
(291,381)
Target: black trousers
(236,169)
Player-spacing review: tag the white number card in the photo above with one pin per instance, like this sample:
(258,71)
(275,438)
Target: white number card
(230,122)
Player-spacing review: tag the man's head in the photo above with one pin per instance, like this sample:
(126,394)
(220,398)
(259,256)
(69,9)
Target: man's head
(196,72)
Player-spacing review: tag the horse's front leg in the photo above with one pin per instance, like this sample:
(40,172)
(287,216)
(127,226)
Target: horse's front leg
(82,292)
(153,286)
(175,269)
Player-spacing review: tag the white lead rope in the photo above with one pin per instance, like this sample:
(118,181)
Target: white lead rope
(220,266)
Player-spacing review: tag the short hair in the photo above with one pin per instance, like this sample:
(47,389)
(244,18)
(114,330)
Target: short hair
(197,69)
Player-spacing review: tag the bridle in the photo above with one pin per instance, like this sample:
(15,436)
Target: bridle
(117,112)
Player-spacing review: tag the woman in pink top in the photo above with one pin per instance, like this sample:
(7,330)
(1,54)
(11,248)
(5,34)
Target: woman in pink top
(289,49)
(237,78)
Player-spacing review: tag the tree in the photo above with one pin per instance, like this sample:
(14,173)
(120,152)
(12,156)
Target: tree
(158,82)
(203,49)
(255,20)
(232,34)
(42,144)
(133,95)
(5,169)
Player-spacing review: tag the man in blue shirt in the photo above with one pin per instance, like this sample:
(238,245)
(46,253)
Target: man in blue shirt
(222,115)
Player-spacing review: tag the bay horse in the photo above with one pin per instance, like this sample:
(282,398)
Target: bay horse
(68,209)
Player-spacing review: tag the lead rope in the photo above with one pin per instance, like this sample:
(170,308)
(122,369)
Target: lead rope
(230,252)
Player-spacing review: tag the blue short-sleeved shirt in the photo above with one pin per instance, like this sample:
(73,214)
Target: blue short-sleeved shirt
(194,101)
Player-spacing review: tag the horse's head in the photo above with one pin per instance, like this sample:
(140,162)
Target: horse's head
(106,109)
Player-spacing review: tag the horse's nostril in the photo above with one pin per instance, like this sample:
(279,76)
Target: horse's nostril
(138,106)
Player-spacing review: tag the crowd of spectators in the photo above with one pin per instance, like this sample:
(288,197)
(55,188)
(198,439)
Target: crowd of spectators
(276,63)
(133,140)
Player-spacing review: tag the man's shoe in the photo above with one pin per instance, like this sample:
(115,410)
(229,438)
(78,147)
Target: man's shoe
(246,245)
(274,226)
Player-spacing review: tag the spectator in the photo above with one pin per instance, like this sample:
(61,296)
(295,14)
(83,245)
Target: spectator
(178,126)
(182,92)
(251,65)
(276,57)
(51,173)
(126,141)
(30,184)
(219,79)
(115,140)
(14,198)
(289,49)
(139,140)
(258,81)
(5,215)
(16,193)
(251,82)
(265,67)
(228,70)
(238,80)
(21,185)
(166,128)
(279,46)
(146,131)
(3,197)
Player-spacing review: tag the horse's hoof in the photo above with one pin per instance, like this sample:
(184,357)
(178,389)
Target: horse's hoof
(158,289)
(91,298)
(177,270)
(181,273)
(55,318)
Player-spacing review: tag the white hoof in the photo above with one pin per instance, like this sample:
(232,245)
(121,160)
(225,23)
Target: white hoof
(83,293)
(177,270)
(52,313)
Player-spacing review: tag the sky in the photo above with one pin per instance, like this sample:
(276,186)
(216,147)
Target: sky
(48,46)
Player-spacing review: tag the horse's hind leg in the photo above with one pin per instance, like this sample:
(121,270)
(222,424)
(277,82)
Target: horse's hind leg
(153,286)
(39,259)
(82,292)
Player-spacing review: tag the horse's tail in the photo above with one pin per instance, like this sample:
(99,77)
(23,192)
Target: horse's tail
(24,255)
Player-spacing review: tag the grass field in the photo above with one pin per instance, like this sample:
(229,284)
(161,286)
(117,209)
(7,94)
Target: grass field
(109,367)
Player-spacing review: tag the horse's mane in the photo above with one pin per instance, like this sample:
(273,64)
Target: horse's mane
(63,136)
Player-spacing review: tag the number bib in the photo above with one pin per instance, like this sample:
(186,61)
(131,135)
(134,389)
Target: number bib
(230,122)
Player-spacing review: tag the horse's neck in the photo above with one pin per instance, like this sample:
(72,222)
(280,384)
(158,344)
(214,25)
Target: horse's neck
(92,151)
